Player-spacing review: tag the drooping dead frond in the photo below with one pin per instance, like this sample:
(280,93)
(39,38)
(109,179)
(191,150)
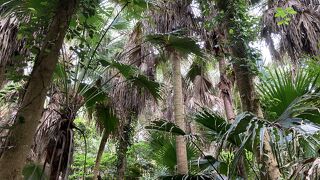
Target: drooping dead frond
(301,34)
(172,16)
(8,38)
(53,142)
(200,89)
(129,98)
(10,45)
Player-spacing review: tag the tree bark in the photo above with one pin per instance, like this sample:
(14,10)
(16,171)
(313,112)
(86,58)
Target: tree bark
(225,90)
(2,76)
(29,114)
(245,79)
(103,142)
(124,143)
(250,103)
(245,84)
(181,150)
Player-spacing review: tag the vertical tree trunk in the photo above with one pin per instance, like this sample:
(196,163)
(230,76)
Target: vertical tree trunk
(29,114)
(181,149)
(250,103)
(244,76)
(225,90)
(2,76)
(245,84)
(103,142)
(124,143)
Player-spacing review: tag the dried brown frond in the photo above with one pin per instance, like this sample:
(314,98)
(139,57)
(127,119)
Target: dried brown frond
(53,142)
(301,35)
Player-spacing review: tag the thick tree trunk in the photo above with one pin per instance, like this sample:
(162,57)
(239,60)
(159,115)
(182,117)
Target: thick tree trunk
(29,114)
(245,84)
(103,142)
(225,90)
(245,80)
(181,150)
(250,103)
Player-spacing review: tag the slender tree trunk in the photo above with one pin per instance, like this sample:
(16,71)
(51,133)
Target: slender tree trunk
(29,114)
(2,76)
(225,90)
(103,142)
(181,149)
(270,169)
(124,143)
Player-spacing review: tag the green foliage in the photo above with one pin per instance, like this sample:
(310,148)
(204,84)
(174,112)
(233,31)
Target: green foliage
(87,24)
(133,75)
(165,126)
(139,156)
(33,171)
(164,151)
(279,88)
(105,116)
(135,8)
(184,45)
(243,29)
(284,15)
(298,124)
(92,95)
(291,102)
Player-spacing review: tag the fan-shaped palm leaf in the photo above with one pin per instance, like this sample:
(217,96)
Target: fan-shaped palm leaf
(279,88)
(164,149)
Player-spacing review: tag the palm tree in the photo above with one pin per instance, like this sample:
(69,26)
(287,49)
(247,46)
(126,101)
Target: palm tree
(292,108)
(29,113)
(182,164)
(215,43)
(173,16)
(130,99)
(107,119)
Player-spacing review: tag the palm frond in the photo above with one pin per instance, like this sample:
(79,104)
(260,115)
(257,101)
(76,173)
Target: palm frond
(165,126)
(184,45)
(279,88)
(163,146)
(106,118)
(305,108)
